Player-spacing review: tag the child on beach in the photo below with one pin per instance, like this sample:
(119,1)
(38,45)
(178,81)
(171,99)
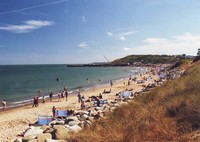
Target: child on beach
(3,104)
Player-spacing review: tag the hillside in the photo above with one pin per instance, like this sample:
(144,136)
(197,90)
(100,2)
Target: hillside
(170,112)
(146,59)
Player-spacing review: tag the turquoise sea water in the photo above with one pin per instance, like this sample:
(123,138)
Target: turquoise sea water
(20,83)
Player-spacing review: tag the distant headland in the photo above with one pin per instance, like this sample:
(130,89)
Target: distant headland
(138,60)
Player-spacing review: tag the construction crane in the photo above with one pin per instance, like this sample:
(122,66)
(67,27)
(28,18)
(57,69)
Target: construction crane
(106,59)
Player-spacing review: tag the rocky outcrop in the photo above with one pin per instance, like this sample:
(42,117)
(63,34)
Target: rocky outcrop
(59,130)
(43,137)
(60,133)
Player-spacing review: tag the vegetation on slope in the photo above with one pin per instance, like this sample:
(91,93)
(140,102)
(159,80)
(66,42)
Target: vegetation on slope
(170,112)
(146,59)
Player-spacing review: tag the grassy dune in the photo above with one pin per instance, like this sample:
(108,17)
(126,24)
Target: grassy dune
(170,112)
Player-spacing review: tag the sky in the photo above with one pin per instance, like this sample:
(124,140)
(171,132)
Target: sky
(86,31)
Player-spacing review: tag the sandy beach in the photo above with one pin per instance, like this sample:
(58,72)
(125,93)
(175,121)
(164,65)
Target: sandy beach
(15,121)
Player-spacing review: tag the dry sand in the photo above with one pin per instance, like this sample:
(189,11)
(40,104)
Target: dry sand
(15,121)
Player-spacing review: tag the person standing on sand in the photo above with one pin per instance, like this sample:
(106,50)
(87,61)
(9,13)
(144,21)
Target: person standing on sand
(3,104)
(111,83)
(59,96)
(37,101)
(50,96)
(34,102)
(66,94)
(54,112)
(43,99)
(62,96)
(79,97)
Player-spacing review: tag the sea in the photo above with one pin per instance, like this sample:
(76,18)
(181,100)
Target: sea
(20,83)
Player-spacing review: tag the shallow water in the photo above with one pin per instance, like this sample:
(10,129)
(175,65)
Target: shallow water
(19,83)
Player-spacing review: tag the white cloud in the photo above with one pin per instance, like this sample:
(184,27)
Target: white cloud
(155,40)
(27,27)
(127,49)
(122,36)
(109,34)
(127,33)
(83,19)
(187,37)
(181,44)
(83,44)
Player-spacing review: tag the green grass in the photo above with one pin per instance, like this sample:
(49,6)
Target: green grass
(170,112)
(152,59)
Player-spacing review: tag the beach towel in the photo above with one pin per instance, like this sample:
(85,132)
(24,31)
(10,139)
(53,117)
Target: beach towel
(140,81)
(44,120)
(126,94)
(101,102)
(61,113)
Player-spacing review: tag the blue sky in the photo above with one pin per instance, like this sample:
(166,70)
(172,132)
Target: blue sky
(84,31)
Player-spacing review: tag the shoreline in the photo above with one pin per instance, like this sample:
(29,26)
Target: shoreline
(14,121)
(55,96)
(72,91)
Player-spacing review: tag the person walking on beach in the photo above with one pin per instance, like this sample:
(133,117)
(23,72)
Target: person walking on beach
(3,104)
(79,97)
